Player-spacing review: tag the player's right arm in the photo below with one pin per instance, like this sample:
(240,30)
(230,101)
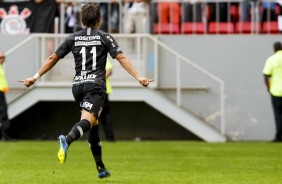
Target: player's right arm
(47,65)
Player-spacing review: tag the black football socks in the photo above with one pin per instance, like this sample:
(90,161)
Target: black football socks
(78,130)
(96,147)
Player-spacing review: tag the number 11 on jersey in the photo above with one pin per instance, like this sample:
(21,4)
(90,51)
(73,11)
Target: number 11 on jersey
(83,53)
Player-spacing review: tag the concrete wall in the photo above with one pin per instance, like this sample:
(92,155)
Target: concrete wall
(47,120)
(238,60)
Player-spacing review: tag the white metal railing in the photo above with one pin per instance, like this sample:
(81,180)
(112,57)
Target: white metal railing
(180,58)
(144,43)
(200,13)
(187,9)
(196,8)
(78,3)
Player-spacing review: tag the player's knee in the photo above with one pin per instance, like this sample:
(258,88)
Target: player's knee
(90,117)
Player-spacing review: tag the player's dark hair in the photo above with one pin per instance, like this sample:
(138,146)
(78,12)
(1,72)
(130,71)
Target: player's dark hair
(90,14)
(277,46)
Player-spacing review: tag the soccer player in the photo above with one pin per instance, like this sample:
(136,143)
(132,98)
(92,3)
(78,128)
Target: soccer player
(89,47)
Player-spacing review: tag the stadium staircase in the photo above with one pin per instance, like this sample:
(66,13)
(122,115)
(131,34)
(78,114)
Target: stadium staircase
(50,88)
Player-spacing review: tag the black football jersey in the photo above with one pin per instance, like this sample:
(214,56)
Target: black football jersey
(89,48)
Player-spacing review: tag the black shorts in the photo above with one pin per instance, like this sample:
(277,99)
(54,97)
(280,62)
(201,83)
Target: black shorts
(89,97)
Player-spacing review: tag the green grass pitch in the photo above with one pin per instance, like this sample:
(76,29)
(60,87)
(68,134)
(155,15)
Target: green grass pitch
(144,162)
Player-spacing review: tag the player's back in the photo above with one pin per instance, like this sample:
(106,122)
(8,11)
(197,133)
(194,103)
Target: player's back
(89,47)
(89,50)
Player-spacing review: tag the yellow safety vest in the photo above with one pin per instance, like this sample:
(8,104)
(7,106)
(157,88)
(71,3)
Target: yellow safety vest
(108,82)
(3,81)
(273,67)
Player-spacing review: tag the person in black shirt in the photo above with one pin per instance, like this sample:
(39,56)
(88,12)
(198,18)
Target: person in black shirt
(89,47)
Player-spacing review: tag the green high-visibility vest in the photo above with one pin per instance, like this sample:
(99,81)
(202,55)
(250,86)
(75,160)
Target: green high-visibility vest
(3,81)
(273,68)
(108,82)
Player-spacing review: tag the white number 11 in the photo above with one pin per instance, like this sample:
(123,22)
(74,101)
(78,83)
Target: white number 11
(83,53)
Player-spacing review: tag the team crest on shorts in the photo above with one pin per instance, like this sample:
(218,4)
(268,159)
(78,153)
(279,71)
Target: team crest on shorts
(13,22)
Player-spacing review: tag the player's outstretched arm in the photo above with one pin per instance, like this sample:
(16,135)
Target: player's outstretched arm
(127,65)
(47,65)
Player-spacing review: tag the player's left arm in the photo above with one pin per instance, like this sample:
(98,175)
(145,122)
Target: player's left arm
(47,65)
(127,65)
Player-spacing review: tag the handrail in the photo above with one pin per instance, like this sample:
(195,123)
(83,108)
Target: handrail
(253,27)
(153,38)
(19,45)
(201,69)
(158,44)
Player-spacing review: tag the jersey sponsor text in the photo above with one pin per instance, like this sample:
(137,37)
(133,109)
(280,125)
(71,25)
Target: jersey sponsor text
(79,43)
(87,38)
(84,78)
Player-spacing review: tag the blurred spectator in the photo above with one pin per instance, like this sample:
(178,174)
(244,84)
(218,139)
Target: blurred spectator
(72,22)
(110,12)
(38,1)
(218,12)
(247,9)
(114,21)
(136,17)
(69,17)
(193,11)
(279,2)
(104,16)
(268,12)
(169,12)
(45,12)
(279,13)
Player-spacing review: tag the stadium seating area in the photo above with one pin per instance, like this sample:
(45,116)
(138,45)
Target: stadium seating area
(162,16)
(211,18)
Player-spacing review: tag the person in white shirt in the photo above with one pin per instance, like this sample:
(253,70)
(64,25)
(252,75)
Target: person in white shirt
(136,17)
